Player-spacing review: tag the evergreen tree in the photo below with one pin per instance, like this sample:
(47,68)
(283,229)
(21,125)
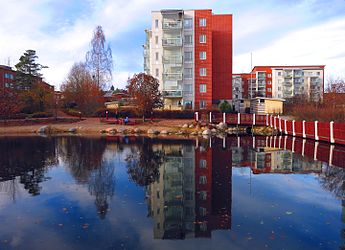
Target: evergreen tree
(28,70)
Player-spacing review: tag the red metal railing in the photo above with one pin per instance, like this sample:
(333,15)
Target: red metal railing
(323,131)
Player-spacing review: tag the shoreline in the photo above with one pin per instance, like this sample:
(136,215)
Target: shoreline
(162,128)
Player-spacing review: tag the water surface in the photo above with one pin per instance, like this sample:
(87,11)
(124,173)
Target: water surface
(141,193)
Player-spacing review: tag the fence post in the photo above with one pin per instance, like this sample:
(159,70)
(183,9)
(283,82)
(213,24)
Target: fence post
(316,131)
(253,119)
(224,118)
(293,128)
(303,128)
(267,120)
(271,122)
(280,124)
(238,118)
(197,116)
(331,130)
(285,125)
(275,122)
(210,117)
(224,142)
(331,155)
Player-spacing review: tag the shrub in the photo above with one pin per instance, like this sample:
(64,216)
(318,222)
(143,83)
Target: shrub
(41,115)
(225,107)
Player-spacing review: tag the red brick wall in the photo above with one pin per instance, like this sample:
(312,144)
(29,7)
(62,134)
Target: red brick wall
(222,56)
(203,63)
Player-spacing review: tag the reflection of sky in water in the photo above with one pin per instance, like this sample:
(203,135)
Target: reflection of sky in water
(272,211)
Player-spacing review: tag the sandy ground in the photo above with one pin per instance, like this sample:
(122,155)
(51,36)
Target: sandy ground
(92,126)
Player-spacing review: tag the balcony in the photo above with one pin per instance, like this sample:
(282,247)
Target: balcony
(172,93)
(287,74)
(175,60)
(172,76)
(172,42)
(172,25)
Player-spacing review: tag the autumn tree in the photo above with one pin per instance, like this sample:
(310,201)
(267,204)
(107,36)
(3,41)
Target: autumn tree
(143,89)
(81,91)
(99,59)
(143,163)
(10,103)
(28,70)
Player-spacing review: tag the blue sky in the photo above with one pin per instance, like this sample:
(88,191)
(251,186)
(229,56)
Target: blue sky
(277,32)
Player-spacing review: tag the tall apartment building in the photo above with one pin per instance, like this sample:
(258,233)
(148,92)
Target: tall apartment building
(190,53)
(282,82)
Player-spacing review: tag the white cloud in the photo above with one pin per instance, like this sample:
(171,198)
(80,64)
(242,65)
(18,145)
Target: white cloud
(61,34)
(317,45)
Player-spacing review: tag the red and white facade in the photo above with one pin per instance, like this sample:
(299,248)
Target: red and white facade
(190,53)
(281,82)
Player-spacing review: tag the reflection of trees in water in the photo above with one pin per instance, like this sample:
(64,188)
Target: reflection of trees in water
(333,179)
(84,158)
(101,185)
(143,163)
(28,158)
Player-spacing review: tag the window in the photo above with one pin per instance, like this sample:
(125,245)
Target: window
(203,72)
(269,75)
(318,73)
(8,76)
(188,73)
(202,104)
(157,56)
(188,39)
(203,195)
(279,88)
(156,23)
(157,72)
(202,22)
(157,195)
(269,82)
(188,88)
(279,73)
(202,38)
(202,163)
(202,55)
(156,38)
(188,23)
(188,56)
(202,88)
(269,90)
(202,211)
(202,179)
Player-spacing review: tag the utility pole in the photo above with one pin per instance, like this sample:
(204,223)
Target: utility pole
(251,77)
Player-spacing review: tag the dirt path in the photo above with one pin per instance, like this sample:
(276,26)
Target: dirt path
(93,126)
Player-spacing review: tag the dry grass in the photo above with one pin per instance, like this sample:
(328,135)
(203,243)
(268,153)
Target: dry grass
(307,111)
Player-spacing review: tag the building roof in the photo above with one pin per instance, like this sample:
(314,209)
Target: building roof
(268,98)
(290,67)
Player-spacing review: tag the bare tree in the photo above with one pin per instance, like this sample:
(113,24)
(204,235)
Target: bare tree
(99,59)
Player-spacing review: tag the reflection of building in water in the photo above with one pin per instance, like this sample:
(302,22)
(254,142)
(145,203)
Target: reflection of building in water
(171,198)
(275,160)
(343,220)
(193,194)
(265,159)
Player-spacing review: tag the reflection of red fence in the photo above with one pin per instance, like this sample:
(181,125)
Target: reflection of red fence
(320,131)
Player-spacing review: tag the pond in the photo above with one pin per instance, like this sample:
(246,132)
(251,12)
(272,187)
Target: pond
(149,193)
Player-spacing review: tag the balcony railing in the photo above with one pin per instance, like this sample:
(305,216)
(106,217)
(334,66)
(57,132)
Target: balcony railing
(172,42)
(172,60)
(172,93)
(168,25)
(172,76)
